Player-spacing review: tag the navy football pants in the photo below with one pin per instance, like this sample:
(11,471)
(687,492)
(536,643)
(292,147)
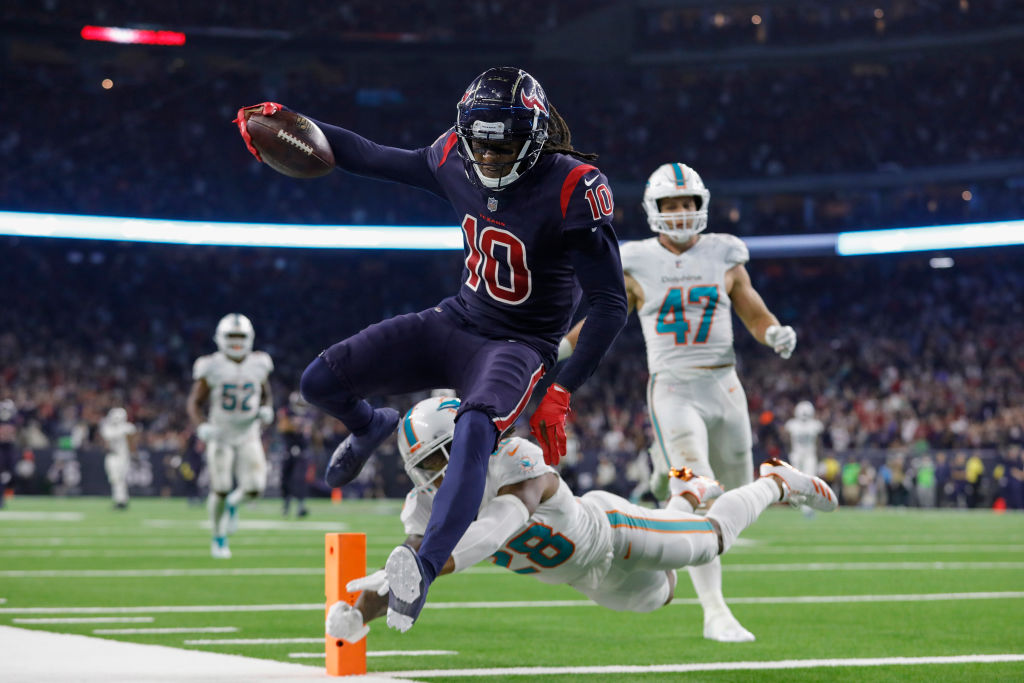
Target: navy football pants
(430,349)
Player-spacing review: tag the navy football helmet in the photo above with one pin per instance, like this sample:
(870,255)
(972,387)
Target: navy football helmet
(504,109)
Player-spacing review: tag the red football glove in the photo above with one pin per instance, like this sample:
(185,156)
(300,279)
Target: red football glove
(242,119)
(548,423)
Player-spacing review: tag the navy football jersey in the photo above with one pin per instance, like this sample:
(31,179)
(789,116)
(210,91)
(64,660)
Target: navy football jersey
(517,281)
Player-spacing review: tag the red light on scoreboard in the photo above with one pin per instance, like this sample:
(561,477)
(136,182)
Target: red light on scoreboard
(110,34)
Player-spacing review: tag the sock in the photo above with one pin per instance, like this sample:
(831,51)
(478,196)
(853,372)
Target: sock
(458,499)
(235,497)
(120,492)
(737,509)
(322,388)
(215,506)
(707,581)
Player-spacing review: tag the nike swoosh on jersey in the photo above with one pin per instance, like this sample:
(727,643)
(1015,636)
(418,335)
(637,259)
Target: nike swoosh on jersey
(513,451)
(629,550)
(590,182)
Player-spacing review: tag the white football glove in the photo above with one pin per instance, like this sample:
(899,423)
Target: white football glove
(266,414)
(781,339)
(346,622)
(206,432)
(377,581)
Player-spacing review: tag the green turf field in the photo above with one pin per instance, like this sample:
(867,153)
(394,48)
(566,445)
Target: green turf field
(851,585)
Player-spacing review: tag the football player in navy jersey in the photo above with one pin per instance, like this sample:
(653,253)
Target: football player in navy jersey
(536,222)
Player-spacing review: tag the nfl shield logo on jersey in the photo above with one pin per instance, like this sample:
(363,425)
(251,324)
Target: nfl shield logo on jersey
(492,204)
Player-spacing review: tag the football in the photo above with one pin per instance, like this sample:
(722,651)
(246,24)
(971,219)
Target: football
(291,144)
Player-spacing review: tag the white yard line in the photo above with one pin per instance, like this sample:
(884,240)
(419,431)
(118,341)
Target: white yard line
(193,549)
(311,571)
(879,549)
(85,620)
(251,525)
(27,516)
(255,641)
(869,566)
(165,609)
(154,573)
(822,566)
(161,631)
(313,606)
(709,666)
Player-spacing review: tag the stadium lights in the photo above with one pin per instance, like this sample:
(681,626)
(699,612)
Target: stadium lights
(212,233)
(228,234)
(111,34)
(966,236)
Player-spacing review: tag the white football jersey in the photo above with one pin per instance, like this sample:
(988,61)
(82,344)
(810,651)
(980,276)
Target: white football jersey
(236,389)
(803,435)
(565,540)
(686,316)
(116,434)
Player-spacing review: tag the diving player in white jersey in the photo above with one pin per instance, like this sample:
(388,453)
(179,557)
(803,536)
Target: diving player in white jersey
(620,555)
(235,382)
(116,430)
(804,430)
(683,284)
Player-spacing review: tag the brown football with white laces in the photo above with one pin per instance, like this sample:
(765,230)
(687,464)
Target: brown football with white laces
(291,144)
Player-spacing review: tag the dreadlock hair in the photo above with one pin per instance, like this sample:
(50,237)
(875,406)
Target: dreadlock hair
(560,139)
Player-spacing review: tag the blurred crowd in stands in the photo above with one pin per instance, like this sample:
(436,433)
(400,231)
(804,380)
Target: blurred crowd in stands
(840,135)
(911,369)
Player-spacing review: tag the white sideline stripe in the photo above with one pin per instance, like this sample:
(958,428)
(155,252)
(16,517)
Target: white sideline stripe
(709,666)
(379,653)
(314,606)
(153,573)
(182,629)
(29,655)
(255,641)
(85,620)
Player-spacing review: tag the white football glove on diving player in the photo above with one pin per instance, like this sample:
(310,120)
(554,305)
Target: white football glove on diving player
(265,414)
(781,339)
(206,431)
(346,622)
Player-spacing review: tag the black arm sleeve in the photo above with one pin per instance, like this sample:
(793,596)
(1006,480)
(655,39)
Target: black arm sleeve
(356,154)
(595,257)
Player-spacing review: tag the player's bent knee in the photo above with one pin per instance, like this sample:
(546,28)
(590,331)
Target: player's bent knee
(319,382)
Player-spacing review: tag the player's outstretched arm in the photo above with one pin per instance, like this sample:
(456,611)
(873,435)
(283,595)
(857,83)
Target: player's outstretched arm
(356,154)
(634,300)
(754,313)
